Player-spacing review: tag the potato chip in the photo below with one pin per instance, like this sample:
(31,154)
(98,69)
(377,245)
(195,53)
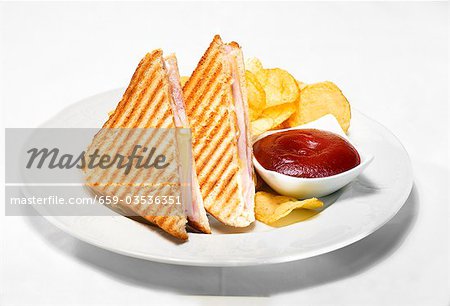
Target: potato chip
(253,65)
(295,216)
(272,117)
(301,85)
(279,85)
(256,96)
(293,119)
(183,80)
(270,208)
(317,100)
(279,113)
(260,126)
(283,125)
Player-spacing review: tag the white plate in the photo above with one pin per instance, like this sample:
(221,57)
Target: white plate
(351,214)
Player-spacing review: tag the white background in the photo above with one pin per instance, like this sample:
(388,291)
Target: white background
(390,60)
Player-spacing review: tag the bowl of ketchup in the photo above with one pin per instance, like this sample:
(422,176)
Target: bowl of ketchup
(311,160)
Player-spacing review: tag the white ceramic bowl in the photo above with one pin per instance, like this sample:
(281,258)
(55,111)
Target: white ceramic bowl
(300,188)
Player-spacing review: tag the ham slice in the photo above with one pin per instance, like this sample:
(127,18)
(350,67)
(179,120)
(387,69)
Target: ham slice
(195,211)
(244,145)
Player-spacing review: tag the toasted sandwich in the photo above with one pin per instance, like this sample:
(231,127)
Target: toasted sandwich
(217,109)
(153,99)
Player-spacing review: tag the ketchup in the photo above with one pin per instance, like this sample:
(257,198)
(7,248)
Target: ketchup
(307,153)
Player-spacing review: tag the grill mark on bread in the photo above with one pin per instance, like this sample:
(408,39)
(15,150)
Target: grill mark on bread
(158,108)
(159,209)
(208,57)
(220,137)
(230,194)
(163,221)
(212,146)
(98,176)
(168,122)
(146,106)
(146,144)
(112,125)
(149,78)
(211,99)
(225,186)
(212,129)
(171,221)
(144,176)
(122,189)
(222,152)
(118,187)
(167,115)
(227,193)
(137,174)
(146,210)
(121,109)
(137,100)
(191,107)
(205,146)
(199,132)
(233,205)
(131,88)
(145,173)
(197,80)
(231,202)
(122,145)
(208,182)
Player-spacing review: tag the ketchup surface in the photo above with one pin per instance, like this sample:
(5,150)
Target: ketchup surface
(307,153)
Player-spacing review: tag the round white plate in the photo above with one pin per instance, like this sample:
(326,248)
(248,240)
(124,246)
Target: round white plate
(351,214)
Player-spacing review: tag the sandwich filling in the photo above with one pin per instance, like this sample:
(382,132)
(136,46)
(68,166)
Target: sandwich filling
(179,112)
(244,146)
(176,92)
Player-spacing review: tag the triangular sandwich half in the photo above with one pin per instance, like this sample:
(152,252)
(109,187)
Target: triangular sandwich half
(153,99)
(217,108)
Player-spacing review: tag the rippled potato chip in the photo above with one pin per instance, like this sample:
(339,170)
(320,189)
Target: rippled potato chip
(256,96)
(317,100)
(260,126)
(283,125)
(183,80)
(279,85)
(279,113)
(272,117)
(301,85)
(270,208)
(253,65)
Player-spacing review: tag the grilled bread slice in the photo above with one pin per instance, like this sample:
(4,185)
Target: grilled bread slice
(217,108)
(149,102)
